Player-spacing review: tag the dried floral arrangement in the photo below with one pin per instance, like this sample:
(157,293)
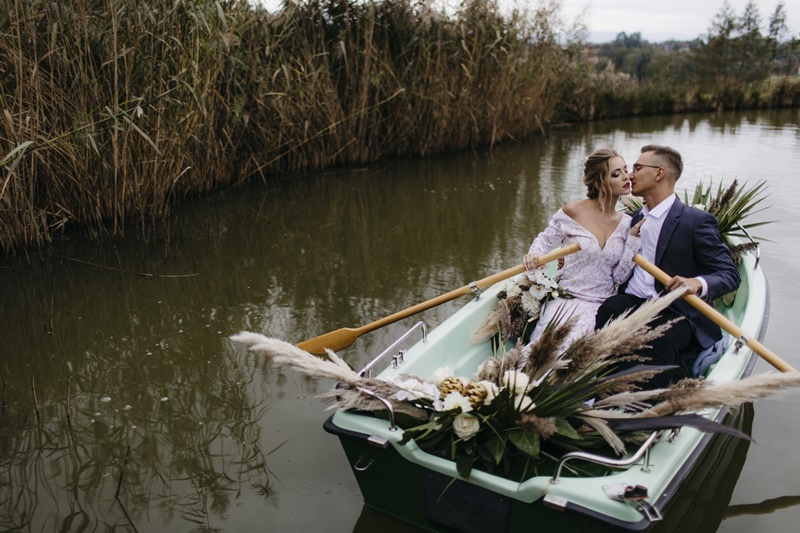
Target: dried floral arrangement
(534,402)
(519,308)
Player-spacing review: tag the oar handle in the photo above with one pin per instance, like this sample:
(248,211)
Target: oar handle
(717,317)
(467,289)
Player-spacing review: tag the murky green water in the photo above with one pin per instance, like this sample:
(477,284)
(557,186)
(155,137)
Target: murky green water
(118,375)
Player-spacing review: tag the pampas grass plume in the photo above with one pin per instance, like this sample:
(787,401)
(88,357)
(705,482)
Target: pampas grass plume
(289,355)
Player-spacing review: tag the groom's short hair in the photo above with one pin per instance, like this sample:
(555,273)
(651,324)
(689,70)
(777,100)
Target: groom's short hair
(670,155)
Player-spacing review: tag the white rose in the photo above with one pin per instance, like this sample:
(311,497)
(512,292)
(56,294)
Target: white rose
(455,400)
(491,391)
(516,380)
(702,207)
(466,426)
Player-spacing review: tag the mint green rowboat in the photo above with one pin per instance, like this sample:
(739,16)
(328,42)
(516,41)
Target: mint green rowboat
(418,488)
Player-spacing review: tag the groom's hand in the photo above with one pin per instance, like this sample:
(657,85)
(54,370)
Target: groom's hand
(692,285)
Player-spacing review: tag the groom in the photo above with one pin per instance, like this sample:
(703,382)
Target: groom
(685,243)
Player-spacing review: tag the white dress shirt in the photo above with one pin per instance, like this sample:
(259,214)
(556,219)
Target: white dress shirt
(642,284)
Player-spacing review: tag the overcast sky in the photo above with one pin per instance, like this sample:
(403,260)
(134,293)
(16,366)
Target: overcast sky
(661,20)
(657,20)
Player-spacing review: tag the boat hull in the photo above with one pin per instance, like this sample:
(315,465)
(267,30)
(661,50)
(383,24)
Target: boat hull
(403,481)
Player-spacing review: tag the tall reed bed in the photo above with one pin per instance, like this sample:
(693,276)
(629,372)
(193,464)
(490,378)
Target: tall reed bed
(113,109)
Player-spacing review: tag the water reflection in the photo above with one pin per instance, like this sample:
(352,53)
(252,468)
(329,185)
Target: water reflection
(182,442)
(130,340)
(765,507)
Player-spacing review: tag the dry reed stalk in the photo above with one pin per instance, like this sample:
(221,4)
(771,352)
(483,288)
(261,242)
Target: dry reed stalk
(697,396)
(130,105)
(349,396)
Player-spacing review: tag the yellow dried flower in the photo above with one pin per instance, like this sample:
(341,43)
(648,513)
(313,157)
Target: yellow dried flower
(451,384)
(476,392)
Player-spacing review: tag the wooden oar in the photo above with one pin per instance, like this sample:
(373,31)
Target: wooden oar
(344,337)
(718,318)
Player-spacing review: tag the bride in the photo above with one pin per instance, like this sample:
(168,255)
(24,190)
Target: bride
(607,240)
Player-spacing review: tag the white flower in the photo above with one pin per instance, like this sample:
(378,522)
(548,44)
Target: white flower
(538,292)
(455,400)
(414,389)
(540,278)
(524,403)
(516,380)
(554,294)
(466,426)
(530,304)
(492,391)
(514,290)
(702,207)
(438,375)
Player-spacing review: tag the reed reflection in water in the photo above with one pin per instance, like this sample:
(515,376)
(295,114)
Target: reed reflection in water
(139,391)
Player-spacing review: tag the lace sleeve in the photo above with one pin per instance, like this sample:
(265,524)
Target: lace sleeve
(623,269)
(549,238)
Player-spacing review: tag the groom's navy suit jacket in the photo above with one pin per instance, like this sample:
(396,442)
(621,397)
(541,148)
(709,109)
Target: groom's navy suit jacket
(689,245)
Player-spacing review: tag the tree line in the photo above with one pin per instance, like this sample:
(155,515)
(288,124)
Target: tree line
(729,65)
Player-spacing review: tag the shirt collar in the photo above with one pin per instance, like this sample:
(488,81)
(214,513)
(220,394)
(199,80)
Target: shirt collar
(662,208)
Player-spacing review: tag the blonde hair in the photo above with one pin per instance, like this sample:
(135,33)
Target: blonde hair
(595,172)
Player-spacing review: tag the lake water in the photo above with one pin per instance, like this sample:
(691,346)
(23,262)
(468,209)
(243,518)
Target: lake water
(118,376)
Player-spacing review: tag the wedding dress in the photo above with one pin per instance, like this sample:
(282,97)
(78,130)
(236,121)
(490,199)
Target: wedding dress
(590,275)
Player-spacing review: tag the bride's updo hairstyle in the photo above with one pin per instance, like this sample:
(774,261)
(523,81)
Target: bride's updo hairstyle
(595,172)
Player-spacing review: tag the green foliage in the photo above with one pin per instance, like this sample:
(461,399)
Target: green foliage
(735,66)
(732,206)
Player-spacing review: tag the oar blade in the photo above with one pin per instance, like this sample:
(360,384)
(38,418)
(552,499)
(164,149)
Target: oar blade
(334,340)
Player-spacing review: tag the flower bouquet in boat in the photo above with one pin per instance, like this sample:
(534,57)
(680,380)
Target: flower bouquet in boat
(519,307)
(526,406)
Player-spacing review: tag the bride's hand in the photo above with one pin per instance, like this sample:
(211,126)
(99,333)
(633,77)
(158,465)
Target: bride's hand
(636,229)
(530,261)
